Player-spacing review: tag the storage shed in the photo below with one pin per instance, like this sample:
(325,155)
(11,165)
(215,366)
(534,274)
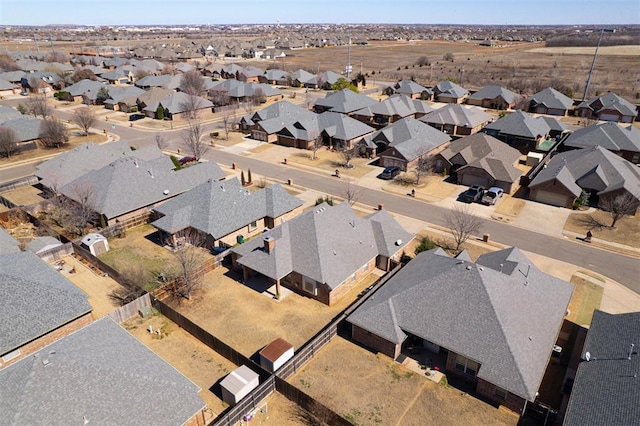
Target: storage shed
(95,243)
(238,384)
(275,354)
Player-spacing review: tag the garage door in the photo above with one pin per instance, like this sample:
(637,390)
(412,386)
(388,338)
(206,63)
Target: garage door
(474,180)
(609,117)
(551,198)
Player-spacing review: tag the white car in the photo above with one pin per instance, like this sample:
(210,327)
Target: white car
(492,195)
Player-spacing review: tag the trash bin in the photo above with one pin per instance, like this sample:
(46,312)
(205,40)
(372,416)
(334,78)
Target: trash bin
(240,239)
(485,238)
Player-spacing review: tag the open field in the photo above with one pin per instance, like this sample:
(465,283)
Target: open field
(372,389)
(627,230)
(247,320)
(629,50)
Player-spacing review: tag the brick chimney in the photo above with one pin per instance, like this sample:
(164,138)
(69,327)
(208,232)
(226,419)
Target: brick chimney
(269,244)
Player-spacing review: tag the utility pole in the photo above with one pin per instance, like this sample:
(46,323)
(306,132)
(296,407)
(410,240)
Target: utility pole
(349,58)
(593,63)
(35,37)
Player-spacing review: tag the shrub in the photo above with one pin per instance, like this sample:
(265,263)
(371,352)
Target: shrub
(326,199)
(425,245)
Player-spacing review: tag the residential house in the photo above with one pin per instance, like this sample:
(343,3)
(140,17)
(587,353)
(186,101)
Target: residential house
(456,120)
(240,91)
(480,159)
(608,107)
(282,111)
(623,141)
(324,252)
(403,143)
(344,101)
(175,105)
(327,79)
(494,97)
(122,96)
(496,321)
(120,76)
(38,305)
(9,113)
(165,81)
(550,101)
(149,97)
(100,374)
(520,130)
(556,127)
(230,70)
(449,92)
(595,170)
(339,131)
(250,74)
(412,89)
(41,82)
(223,213)
(26,130)
(302,78)
(605,390)
(392,109)
(273,53)
(275,76)
(85,91)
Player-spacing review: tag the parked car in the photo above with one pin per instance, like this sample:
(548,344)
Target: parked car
(473,194)
(134,117)
(492,195)
(185,160)
(389,173)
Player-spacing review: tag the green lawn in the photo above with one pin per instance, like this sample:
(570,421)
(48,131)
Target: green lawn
(586,298)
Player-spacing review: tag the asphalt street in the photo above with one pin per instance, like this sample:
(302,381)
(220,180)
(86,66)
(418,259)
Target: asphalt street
(621,268)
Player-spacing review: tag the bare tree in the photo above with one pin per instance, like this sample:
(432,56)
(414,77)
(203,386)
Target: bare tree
(85,118)
(8,141)
(462,223)
(352,193)
(140,74)
(82,210)
(189,258)
(228,120)
(192,137)
(52,133)
(161,141)
(219,97)
(192,83)
(38,105)
(317,144)
(83,74)
(134,278)
(424,167)
(619,206)
(258,97)
(347,156)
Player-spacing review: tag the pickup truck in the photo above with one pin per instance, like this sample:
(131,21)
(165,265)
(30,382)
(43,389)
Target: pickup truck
(492,196)
(472,194)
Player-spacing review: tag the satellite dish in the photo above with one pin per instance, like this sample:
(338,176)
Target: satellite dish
(587,356)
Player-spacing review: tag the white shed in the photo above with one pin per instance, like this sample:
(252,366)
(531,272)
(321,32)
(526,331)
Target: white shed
(275,354)
(95,243)
(238,384)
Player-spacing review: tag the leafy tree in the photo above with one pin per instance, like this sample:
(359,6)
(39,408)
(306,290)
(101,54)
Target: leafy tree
(326,199)
(103,95)
(343,83)
(22,109)
(160,113)
(425,245)
(8,141)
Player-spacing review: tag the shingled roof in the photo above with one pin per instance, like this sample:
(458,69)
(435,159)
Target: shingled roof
(327,244)
(36,299)
(552,99)
(492,92)
(400,105)
(611,136)
(610,101)
(520,124)
(458,115)
(220,208)
(606,389)
(100,374)
(507,321)
(410,137)
(345,101)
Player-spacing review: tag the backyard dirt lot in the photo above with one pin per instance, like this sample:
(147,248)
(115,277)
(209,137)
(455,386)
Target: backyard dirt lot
(96,287)
(24,196)
(185,353)
(247,320)
(372,389)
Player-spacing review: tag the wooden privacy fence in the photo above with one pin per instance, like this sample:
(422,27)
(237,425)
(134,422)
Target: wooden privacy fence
(17,183)
(120,228)
(248,404)
(319,410)
(97,263)
(131,309)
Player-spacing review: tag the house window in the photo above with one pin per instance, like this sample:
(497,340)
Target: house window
(500,393)
(466,365)
(253,226)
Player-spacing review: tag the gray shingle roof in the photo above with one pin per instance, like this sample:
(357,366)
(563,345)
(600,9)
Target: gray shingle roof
(610,101)
(449,89)
(342,127)
(411,138)
(84,87)
(409,87)
(26,128)
(327,244)
(521,124)
(606,390)
(129,183)
(119,93)
(42,244)
(8,113)
(102,374)
(400,105)
(345,101)
(611,136)
(66,167)
(304,77)
(492,92)
(506,322)
(458,115)
(593,168)
(220,208)
(36,299)
(177,103)
(7,243)
(552,99)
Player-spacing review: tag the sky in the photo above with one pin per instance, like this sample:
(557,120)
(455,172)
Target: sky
(182,12)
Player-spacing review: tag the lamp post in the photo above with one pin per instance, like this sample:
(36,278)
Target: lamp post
(593,63)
